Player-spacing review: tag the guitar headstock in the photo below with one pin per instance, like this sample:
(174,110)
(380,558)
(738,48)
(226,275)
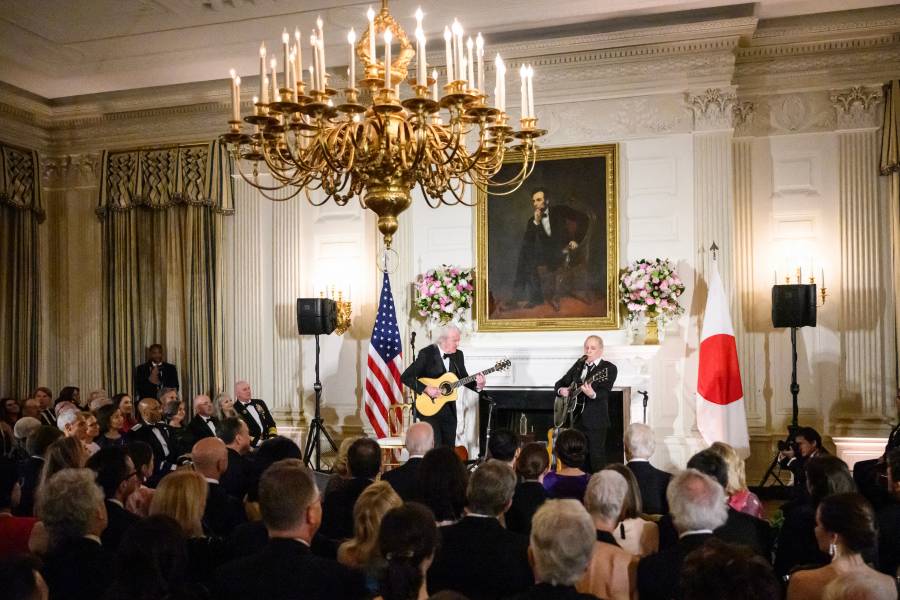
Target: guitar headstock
(503,364)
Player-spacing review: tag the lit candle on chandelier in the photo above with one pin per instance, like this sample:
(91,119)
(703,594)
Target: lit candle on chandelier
(479,55)
(263,89)
(421,67)
(458,48)
(298,64)
(523,74)
(286,50)
(291,82)
(274,64)
(351,76)
(388,38)
(448,51)
(235,96)
(321,40)
(315,63)
(434,91)
(500,97)
(371,15)
(530,92)
(469,64)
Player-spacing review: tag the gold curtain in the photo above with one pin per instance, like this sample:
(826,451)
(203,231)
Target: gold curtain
(21,211)
(890,167)
(162,212)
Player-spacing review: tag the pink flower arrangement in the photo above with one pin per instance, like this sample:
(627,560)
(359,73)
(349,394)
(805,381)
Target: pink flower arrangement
(445,294)
(651,288)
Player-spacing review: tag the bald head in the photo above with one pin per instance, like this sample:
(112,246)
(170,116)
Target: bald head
(210,457)
(150,409)
(203,406)
(419,438)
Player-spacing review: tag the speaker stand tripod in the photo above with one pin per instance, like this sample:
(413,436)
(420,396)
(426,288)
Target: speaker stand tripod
(317,425)
(792,429)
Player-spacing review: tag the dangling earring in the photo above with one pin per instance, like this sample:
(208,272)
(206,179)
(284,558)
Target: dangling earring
(831,549)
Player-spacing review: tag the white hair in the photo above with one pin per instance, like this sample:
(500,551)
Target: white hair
(858,586)
(99,402)
(562,542)
(419,438)
(639,441)
(68,417)
(605,495)
(444,331)
(25,427)
(696,501)
(68,502)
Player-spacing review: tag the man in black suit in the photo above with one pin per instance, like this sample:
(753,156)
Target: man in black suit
(639,447)
(255,413)
(237,477)
(203,424)
(119,479)
(551,240)
(594,420)
(807,445)
(286,567)
(478,557)
(432,362)
(869,474)
(698,508)
(419,440)
(364,463)
(223,513)
(30,470)
(888,519)
(154,375)
(156,433)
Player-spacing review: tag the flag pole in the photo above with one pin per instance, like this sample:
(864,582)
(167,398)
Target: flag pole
(715,251)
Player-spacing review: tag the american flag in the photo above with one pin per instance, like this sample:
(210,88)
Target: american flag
(385,357)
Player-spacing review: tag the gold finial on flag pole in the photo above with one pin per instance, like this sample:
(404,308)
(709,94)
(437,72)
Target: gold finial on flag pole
(715,251)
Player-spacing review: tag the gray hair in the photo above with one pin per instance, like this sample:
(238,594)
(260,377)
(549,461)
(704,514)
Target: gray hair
(419,438)
(99,402)
(25,427)
(605,495)
(444,331)
(68,503)
(696,501)
(858,586)
(68,417)
(491,488)
(562,541)
(639,441)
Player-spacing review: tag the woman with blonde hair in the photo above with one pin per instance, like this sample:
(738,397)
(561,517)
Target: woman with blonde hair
(64,453)
(634,534)
(224,406)
(740,498)
(361,551)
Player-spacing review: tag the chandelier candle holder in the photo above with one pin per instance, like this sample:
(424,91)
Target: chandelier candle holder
(371,142)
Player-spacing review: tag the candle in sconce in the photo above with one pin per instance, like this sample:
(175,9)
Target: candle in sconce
(315,63)
(448,51)
(371,15)
(274,64)
(289,75)
(530,92)
(421,62)
(286,51)
(351,76)
(523,73)
(298,64)
(500,85)
(470,67)
(235,95)
(388,38)
(263,88)
(479,55)
(458,49)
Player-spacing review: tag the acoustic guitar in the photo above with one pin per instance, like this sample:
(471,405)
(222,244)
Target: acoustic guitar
(569,407)
(447,384)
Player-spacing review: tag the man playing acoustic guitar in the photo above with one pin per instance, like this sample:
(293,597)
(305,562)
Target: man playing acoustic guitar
(432,362)
(594,421)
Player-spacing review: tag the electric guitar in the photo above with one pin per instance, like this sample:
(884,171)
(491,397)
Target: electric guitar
(447,385)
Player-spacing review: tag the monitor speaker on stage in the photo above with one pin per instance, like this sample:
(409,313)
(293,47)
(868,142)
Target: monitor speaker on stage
(794,305)
(316,316)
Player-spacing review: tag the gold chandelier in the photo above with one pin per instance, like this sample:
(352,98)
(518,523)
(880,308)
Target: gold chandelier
(367,142)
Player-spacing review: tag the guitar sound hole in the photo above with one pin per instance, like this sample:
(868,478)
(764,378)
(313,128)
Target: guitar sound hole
(446,389)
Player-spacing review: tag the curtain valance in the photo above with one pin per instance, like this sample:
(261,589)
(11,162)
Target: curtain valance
(20,180)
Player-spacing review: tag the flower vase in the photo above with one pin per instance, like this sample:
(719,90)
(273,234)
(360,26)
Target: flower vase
(651,338)
(661,323)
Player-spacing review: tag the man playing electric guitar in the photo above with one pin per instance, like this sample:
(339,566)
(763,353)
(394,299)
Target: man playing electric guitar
(432,362)
(594,420)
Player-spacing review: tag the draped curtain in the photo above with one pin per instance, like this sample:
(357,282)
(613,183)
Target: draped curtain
(162,214)
(21,211)
(890,167)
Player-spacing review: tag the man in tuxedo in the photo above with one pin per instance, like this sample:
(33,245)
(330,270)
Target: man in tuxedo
(204,424)
(223,513)
(551,239)
(364,462)
(888,518)
(698,507)
(478,557)
(594,420)
(639,447)
(419,440)
(432,362)
(255,413)
(286,567)
(119,479)
(157,435)
(30,470)
(236,478)
(154,375)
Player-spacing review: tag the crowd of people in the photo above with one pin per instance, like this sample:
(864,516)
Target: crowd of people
(96,503)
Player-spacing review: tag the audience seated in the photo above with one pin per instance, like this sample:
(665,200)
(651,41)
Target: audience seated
(71,422)
(64,453)
(825,476)
(888,518)
(569,481)
(640,444)
(807,445)
(407,540)
(44,399)
(504,446)
(31,408)
(718,569)
(223,513)
(477,556)
(14,531)
(110,423)
(23,428)
(71,509)
(740,498)
(270,451)
(30,470)
(118,479)
(419,440)
(10,411)
(442,484)
(845,528)
(91,432)
(612,571)
(292,511)
(224,406)
(237,477)
(364,462)
(857,586)
(70,394)
(361,551)
(532,465)
(21,579)
(153,431)
(142,457)
(560,548)
(203,423)
(635,534)
(125,405)
(697,505)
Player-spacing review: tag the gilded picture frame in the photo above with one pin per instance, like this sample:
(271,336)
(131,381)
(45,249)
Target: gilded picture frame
(548,253)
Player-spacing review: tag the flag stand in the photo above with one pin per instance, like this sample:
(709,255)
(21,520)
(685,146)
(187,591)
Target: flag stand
(317,425)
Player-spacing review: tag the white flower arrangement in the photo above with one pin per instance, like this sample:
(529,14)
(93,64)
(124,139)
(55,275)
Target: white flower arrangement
(651,288)
(445,294)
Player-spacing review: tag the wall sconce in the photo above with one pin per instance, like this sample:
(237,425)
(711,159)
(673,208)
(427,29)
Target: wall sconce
(344,309)
(798,280)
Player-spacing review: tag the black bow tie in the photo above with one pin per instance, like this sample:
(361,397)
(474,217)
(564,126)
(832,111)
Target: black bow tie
(445,355)
(206,419)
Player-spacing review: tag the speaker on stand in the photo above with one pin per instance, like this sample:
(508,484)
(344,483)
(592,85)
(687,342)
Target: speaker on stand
(316,316)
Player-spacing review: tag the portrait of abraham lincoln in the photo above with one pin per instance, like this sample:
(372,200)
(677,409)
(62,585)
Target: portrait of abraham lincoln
(547,253)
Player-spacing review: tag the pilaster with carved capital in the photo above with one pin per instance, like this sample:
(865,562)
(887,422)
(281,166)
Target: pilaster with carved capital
(857,107)
(713,109)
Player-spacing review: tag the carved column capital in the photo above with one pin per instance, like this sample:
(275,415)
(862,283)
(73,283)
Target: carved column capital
(71,170)
(713,109)
(742,113)
(857,107)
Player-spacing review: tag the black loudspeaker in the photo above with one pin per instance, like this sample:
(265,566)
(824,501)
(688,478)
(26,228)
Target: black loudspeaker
(794,305)
(316,316)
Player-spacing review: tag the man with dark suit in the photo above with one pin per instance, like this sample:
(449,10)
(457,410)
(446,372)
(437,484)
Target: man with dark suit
(888,519)
(551,240)
(255,414)
(594,420)
(223,513)
(119,479)
(203,424)
(157,435)
(698,508)
(286,567)
(639,447)
(237,477)
(30,470)
(364,462)
(419,440)
(478,557)
(432,362)
(808,445)
(154,375)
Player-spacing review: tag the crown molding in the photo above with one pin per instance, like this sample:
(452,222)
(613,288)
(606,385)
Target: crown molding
(845,24)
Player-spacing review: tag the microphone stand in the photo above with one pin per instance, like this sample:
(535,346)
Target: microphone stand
(646,396)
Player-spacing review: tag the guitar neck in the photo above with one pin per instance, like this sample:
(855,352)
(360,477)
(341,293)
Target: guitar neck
(471,378)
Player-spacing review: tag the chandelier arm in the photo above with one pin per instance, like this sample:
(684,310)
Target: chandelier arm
(254,181)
